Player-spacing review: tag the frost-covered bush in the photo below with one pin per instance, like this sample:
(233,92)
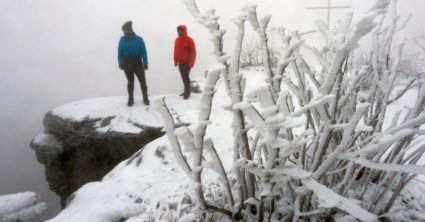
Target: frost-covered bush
(317,142)
(251,54)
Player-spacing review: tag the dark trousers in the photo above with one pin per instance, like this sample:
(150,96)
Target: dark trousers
(184,72)
(132,68)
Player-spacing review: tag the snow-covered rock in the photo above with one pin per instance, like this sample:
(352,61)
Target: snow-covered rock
(20,206)
(84,140)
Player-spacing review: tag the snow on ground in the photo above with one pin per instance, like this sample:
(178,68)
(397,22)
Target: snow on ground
(136,186)
(20,206)
(150,185)
(108,107)
(150,179)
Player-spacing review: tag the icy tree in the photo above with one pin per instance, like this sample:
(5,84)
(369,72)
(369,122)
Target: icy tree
(317,141)
(20,206)
(250,55)
(416,63)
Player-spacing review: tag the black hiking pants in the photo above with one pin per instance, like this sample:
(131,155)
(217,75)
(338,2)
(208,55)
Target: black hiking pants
(133,66)
(184,72)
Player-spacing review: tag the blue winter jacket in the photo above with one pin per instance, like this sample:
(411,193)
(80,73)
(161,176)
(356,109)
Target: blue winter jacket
(132,46)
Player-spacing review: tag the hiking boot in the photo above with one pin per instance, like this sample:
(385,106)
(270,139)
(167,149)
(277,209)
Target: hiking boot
(181,94)
(186,95)
(146,102)
(130,101)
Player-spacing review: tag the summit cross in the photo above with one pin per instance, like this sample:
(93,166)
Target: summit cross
(329,7)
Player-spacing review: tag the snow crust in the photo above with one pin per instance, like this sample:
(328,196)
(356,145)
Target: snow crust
(133,188)
(124,117)
(20,206)
(47,140)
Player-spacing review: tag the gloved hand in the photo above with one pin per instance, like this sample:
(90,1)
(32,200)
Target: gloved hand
(122,68)
(145,67)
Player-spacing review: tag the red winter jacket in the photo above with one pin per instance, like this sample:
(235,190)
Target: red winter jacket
(184,49)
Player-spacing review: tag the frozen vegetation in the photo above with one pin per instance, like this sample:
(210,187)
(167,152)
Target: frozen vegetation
(293,142)
(312,142)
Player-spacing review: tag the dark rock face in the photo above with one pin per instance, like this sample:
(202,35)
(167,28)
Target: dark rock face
(83,154)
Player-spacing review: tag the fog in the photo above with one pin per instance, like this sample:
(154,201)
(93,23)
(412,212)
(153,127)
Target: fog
(54,52)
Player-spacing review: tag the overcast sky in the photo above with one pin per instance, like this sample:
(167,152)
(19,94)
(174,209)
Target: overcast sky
(57,46)
(54,52)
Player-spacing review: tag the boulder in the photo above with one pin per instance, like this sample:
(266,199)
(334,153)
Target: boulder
(76,151)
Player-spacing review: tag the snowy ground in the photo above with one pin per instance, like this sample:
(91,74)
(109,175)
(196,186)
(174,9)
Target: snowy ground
(113,106)
(150,185)
(20,206)
(150,179)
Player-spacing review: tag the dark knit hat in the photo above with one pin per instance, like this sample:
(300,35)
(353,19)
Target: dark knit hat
(127,26)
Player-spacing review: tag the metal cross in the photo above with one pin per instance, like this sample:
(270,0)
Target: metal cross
(329,7)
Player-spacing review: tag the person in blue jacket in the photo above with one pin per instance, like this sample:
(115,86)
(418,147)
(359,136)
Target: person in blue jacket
(133,59)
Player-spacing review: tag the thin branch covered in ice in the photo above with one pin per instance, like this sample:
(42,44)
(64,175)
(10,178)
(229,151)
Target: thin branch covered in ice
(414,169)
(364,26)
(210,147)
(261,27)
(169,127)
(233,83)
(192,8)
(329,199)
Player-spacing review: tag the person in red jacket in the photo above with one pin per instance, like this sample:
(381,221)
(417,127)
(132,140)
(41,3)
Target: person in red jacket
(184,56)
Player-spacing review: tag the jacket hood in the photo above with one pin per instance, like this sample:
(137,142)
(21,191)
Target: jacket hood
(128,26)
(184,28)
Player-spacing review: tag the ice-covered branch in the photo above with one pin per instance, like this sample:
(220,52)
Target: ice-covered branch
(240,23)
(192,8)
(161,107)
(318,101)
(186,137)
(286,60)
(363,26)
(283,63)
(355,83)
(232,81)
(345,142)
(255,117)
(414,169)
(261,28)
(201,125)
(218,165)
(330,199)
(380,143)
